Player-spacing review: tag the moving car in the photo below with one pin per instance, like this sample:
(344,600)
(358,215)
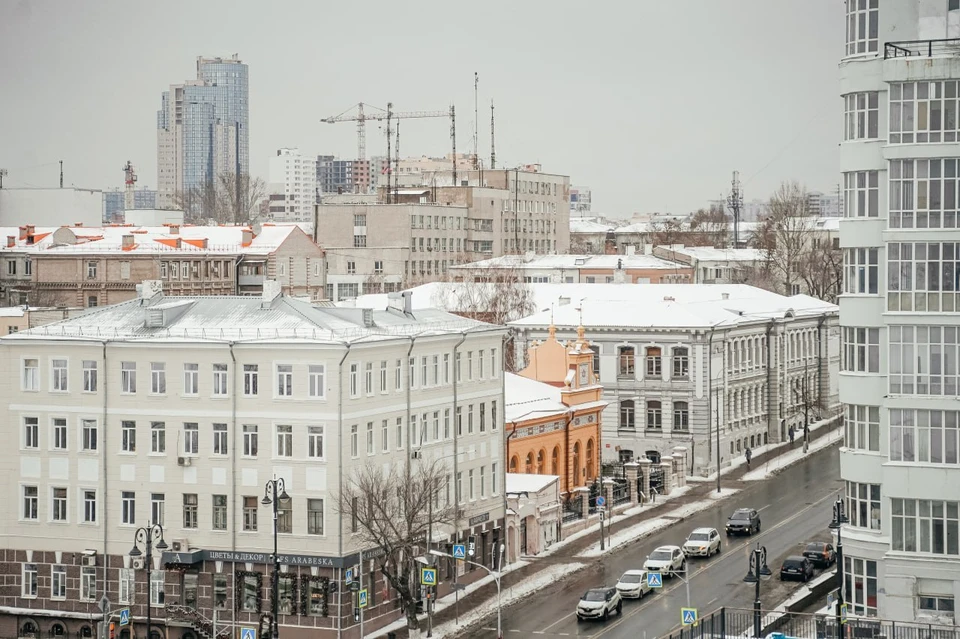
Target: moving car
(666,559)
(820,554)
(702,542)
(743,521)
(796,567)
(633,584)
(599,603)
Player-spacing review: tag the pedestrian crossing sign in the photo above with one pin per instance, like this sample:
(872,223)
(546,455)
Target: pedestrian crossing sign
(688,616)
(428,576)
(843,614)
(362,598)
(124,616)
(248,633)
(654,580)
(459,551)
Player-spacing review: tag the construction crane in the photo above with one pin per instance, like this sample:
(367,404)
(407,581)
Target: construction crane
(363,116)
(129,181)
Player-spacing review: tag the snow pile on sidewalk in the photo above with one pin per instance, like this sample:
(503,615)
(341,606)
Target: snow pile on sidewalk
(774,466)
(724,493)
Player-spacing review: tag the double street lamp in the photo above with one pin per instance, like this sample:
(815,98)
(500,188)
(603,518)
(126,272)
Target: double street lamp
(273,493)
(758,568)
(839,519)
(496,577)
(145,537)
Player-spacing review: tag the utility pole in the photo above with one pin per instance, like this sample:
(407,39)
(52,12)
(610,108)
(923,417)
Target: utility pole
(389,163)
(476,121)
(735,202)
(61,174)
(493,140)
(453,140)
(396,166)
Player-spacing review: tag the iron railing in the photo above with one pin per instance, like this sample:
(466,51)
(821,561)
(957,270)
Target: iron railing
(922,48)
(621,493)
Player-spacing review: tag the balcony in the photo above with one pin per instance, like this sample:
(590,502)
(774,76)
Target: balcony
(922,48)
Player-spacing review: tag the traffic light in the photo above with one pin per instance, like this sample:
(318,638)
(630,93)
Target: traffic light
(113,630)
(356,615)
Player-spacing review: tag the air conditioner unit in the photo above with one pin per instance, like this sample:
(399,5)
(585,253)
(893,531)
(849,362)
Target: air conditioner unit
(178,545)
(184,461)
(89,560)
(137,563)
(416,455)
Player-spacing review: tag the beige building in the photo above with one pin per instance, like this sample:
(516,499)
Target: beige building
(178,411)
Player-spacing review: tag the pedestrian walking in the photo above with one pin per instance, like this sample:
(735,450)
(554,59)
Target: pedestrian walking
(749,455)
(793,433)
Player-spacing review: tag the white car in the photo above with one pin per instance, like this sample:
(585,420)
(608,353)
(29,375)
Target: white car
(702,542)
(666,559)
(633,584)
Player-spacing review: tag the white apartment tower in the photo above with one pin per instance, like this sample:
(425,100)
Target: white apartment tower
(293,186)
(900,327)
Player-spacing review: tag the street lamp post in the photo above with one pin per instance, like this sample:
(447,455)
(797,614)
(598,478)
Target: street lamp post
(758,568)
(839,519)
(496,577)
(146,536)
(273,493)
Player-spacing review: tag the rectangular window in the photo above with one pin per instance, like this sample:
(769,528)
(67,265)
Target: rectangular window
(654,415)
(483,482)
(923,360)
(446,368)
(88,583)
(925,526)
(354,380)
(494,364)
(412,372)
(88,434)
(862,26)
(861,271)
(681,416)
(191,438)
(30,502)
(435,370)
(251,380)
(219,512)
(861,116)
(90,506)
(928,437)
(863,505)
(862,427)
(91,270)
(220,379)
(314,516)
(89,376)
(470,484)
(285,517)
(446,423)
(220,591)
(59,439)
(923,112)
(923,194)
(191,379)
(861,350)
(58,582)
(399,433)
(158,508)
(654,361)
(58,504)
(58,375)
(190,510)
(413,430)
(936,606)
(316,374)
(370,448)
(250,505)
(250,440)
(436,425)
(459,487)
(383,376)
(423,372)
(861,194)
(284,380)
(220,441)
(31,375)
(384,436)
(459,369)
(158,378)
(493,478)
(681,362)
(128,508)
(315,442)
(470,365)
(157,595)
(31,432)
(127,585)
(398,376)
(158,437)
(354,441)
(284,440)
(128,436)
(128,377)
(459,421)
(28,582)
(923,276)
(625,355)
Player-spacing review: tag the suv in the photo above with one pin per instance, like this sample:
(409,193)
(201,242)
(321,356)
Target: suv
(743,521)
(599,603)
(702,542)
(796,567)
(820,554)
(666,559)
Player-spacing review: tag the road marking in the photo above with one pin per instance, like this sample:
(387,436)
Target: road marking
(750,542)
(760,510)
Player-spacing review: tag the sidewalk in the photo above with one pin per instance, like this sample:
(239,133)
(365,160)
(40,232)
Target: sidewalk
(580,550)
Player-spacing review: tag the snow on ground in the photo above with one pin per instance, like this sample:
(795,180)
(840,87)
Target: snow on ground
(724,493)
(793,456)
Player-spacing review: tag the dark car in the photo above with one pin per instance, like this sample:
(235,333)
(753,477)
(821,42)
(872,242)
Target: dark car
(820,554)
(796,567)
(743,521)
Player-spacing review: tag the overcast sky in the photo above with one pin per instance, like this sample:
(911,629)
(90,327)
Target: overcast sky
(651,103)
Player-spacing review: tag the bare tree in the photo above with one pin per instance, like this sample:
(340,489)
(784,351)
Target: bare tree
(395,511)
(666,233)
(489,294)
(229,199)
(808,401)
(786,235)
(709,228)
(821,269)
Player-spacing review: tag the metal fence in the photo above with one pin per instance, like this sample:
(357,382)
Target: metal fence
(572,510)
(621,493)
(922,48)
(738,622)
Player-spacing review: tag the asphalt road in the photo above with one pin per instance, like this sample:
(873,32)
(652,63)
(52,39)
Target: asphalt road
(795,507)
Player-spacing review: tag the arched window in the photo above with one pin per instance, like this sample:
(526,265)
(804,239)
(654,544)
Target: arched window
(681,416)
(57,630)
(529,466)
(555,461)
(628,418)
(654,415)
(577,476)
(86,631)
(591,455)
(541,460)
(29,629)
(514,464)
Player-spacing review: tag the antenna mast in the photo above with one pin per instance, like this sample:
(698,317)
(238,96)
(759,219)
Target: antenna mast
(735,201)
(476,120)
(396,173)
(453,140)
(389,164)
(61,174)
(493,140)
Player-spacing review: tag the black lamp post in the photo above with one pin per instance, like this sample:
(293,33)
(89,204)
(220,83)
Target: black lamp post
(839,519)
(145,536)
(758,568)
(273,493)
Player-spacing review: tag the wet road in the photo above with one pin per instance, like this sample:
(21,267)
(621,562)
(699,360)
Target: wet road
(795,507)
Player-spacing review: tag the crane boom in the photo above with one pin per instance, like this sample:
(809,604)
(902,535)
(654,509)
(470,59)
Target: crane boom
(361,118)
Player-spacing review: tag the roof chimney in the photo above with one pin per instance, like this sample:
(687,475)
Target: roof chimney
(149,291)
(725,296)
(407,302)
(127,242)
(11,241)
(247,237)
(271,291)
(31,229)
(23,232)
(174,229)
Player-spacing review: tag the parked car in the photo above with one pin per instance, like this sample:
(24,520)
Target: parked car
(796,567)
(633,584)
(666,559)
(820,554)
(599,603)
(702,542)
(743,521)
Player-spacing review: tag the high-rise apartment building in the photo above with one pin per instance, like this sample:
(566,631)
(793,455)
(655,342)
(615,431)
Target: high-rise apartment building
(114,203)
(900,328)
(293,186)
(203,128)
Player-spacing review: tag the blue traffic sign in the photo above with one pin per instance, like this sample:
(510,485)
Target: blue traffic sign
(654,580)
(248,633)
(362,598)
(459,551)
(601,501)
(125,617)
(688,616)
(347,577)
(428,576)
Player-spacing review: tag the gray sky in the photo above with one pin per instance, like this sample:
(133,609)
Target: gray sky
(651,103)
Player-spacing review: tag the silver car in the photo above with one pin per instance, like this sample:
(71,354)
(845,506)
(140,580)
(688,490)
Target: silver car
(633,584)
(702,542)
(599,603)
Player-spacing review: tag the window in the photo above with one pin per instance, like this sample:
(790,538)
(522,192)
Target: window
(11,267)
(494,364)
(250,505)
(654,415)
(90,506)
(483,482)
(862,26)
(924,436)
(191,379)
(89,376)
(88,434)
(284,380)
(158,508)
(378,267)
(681,416)
(926,526)
(354,442)
(923,360)
(220,439)
(251,380)
(91,270)
(681,362)
(58,504)
(470,419)
(861,194)
(58,375)
(862,425)
(493,478)
(128,436)
(250,440)
(284,441)
(58,582)
(127,585)
(158,378)
(861,116)
(654,362)
(863,505)
(351,267)
(399,433)
(191,438)
(314,516)
(59,434)
(459,369)
(315,375)
(435,368)
(423,372)
(128,508)
(860,586)
(128,377)
(88,583)
(861,350)
(368,378)
(397,376)
(157,596)
(219,512)
(315,442)
(31,499)
(31,432)
(923,276)
(220,379)
(935,605)
(285,516)
(28,583)
(190,510)
(459,487)
(923,112)
(626,357)
(383,376)
(446,368)
(31,375)
(627,414)
(470,486)
(370,449)
(220,591)
(354,380)
(413,430)
(861,271)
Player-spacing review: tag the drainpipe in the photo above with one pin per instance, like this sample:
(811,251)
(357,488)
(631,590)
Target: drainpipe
(103,469)
(340,477)
(410,378)
(710,408)
(233,452)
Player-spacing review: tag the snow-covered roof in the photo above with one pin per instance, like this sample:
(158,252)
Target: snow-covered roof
(529,399)
(523,483)
(711,254)
(581,225)
(12,311)
(571,262)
